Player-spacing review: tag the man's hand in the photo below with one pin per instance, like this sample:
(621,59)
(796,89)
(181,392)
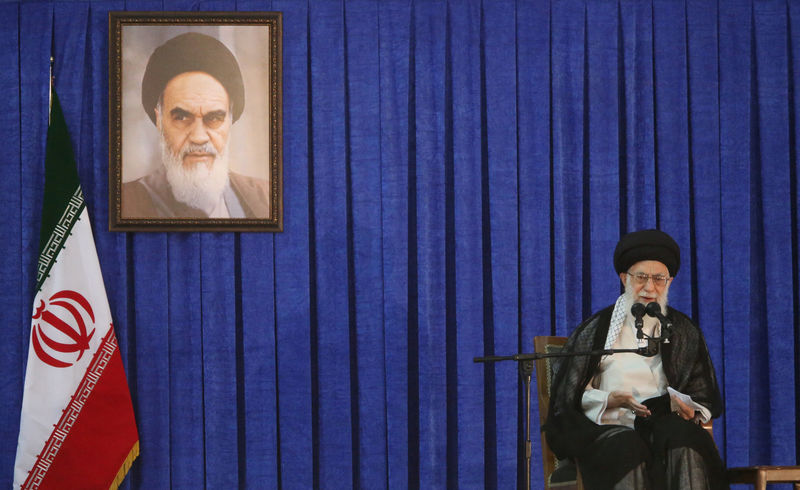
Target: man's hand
(680,408)
(624,399)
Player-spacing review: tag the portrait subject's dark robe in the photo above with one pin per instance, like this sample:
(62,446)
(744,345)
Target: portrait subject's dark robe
(151,197)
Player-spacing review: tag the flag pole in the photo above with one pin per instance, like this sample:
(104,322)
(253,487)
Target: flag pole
(50,90)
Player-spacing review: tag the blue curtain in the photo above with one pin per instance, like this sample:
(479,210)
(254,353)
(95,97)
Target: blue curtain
(456,175)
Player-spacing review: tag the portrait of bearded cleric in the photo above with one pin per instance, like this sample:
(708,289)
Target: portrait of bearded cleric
(195,124)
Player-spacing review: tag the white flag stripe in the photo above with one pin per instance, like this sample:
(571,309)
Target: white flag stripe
(48,390)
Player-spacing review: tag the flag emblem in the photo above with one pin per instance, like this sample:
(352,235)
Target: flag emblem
(68,333)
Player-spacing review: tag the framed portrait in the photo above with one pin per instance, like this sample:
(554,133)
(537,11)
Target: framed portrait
(195,121)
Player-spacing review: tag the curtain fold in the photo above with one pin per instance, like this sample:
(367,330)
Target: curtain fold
(332,321)
(292,264)
(735,121)
(775,316)
(534,214)
(465,245)
(184,344)
(500,232)
(12,262)
(456,176)
(603,155)
(365,262)
(568,61)
(429,348)
(395,89)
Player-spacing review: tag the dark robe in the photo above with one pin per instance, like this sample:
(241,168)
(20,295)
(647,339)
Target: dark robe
(664,450)
(151,197)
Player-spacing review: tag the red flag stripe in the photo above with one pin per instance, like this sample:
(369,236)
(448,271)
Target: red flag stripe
(96,432)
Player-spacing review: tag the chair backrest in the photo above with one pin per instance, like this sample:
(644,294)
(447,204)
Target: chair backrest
(561,474)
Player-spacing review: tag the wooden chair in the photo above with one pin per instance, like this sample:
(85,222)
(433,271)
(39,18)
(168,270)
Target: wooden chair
(759,476)
(559,474)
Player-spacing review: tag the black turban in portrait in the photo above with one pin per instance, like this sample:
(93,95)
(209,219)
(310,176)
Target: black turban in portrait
(192,52)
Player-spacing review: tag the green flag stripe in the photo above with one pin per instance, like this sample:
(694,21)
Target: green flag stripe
(61,173)
(63,199)
(58,236)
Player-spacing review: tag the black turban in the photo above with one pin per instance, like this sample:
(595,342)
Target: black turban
(192,52)
(647,245)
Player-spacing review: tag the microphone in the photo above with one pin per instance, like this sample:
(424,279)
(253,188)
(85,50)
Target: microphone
(638,311)
(653,309)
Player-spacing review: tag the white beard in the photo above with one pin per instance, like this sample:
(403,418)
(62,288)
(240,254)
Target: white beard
(201,185)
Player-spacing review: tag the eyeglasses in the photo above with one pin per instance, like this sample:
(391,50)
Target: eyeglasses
(640,278)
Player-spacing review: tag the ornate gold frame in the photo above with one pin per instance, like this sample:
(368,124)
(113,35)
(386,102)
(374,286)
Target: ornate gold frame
(271,20)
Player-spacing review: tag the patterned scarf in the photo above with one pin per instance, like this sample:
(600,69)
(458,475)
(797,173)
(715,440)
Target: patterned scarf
(617,320)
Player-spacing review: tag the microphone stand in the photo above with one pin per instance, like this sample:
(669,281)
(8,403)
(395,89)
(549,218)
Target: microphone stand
(525,363)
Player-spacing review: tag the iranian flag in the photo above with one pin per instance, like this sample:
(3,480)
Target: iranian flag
(77,428)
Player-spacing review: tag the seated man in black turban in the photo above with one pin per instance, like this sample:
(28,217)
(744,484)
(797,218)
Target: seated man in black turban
(192,90)
(632,421)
